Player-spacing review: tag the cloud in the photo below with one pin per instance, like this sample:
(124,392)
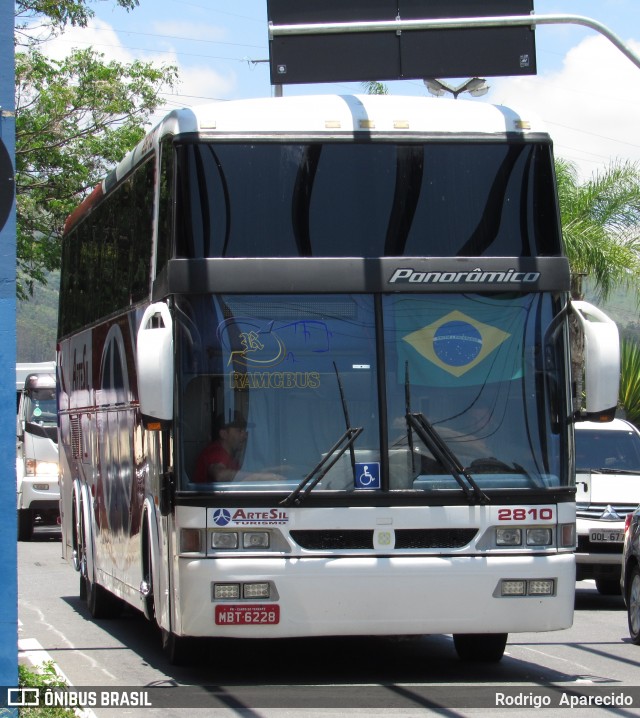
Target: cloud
(200,84)
(590,105)
(197,83)
(99,35)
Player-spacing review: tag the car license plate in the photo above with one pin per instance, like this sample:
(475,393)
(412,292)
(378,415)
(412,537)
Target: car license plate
(600,536)
(241,615)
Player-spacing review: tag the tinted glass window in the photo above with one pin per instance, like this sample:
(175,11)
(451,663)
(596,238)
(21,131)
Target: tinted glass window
(106,263)
(480,372)
(365,199)
(280,379)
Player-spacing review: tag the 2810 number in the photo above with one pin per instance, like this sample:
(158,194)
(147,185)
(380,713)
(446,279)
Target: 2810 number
(524,514)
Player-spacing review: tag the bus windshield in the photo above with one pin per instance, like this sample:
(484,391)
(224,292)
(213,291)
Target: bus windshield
(272,386)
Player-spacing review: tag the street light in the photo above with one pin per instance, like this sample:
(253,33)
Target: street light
(476,86)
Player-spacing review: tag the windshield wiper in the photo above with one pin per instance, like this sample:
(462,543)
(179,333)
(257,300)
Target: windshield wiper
(440,450)
(310,481)
(347,421)
(442,453)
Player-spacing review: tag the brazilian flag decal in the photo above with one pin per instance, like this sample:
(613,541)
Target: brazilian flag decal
(480,341)
(456,342)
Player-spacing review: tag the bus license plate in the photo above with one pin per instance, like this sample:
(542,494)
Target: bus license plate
(600,536)
(240,615)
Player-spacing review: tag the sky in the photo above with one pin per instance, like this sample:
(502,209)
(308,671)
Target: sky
(586,91)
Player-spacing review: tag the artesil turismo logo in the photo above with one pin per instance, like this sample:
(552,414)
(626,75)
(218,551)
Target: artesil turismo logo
(250,517)
(221,517)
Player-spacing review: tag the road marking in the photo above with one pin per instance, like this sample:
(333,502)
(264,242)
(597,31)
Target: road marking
(32,651)
(94,664)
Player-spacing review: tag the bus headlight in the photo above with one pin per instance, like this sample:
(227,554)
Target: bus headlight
(539,537)
(255,590)
(250,591)
(226,591)
(255,539)
(224,539)
(526,587)
(541,587)
(514,587)
(508,536)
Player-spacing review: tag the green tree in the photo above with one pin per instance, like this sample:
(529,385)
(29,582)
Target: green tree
(56,14)
(371,87)
(601,233)
(601,226)
(75,118)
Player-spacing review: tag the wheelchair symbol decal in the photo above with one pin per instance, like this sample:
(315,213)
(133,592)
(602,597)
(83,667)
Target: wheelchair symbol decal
(368,476)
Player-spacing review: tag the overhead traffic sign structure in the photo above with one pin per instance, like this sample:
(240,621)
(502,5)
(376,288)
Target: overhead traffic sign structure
(335,41)
(301,50)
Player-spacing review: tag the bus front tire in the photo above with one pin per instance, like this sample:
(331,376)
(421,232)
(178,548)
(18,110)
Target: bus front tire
(102,603)
(177,649)
(480,647)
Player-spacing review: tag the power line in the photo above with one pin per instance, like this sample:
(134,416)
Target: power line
(175,37)
(153,51)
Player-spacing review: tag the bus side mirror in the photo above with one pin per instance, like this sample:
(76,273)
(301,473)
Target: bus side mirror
(601,361)
(154,359)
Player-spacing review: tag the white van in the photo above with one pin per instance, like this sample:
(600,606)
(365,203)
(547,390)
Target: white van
(607,489)
(38,493)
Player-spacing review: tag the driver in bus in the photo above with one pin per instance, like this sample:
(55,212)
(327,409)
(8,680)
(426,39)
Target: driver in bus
(222,459)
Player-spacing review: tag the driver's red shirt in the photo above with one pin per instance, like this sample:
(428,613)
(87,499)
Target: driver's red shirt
(213,454)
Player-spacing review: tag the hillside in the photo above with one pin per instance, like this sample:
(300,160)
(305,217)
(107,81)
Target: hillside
(37,323)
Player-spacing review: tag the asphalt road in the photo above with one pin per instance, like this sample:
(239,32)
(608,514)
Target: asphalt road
(323,677)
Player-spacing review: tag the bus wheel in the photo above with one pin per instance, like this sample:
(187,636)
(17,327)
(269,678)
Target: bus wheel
(102,603)
(177,649)
(82,588)
(480,647)
(146,585)
(80,556)
(25,524)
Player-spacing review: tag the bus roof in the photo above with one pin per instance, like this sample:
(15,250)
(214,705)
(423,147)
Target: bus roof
(338,116)
(346,114)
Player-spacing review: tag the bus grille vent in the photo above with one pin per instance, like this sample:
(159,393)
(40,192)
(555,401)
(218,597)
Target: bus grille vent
(405,539)
(434,538)
(76,437)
